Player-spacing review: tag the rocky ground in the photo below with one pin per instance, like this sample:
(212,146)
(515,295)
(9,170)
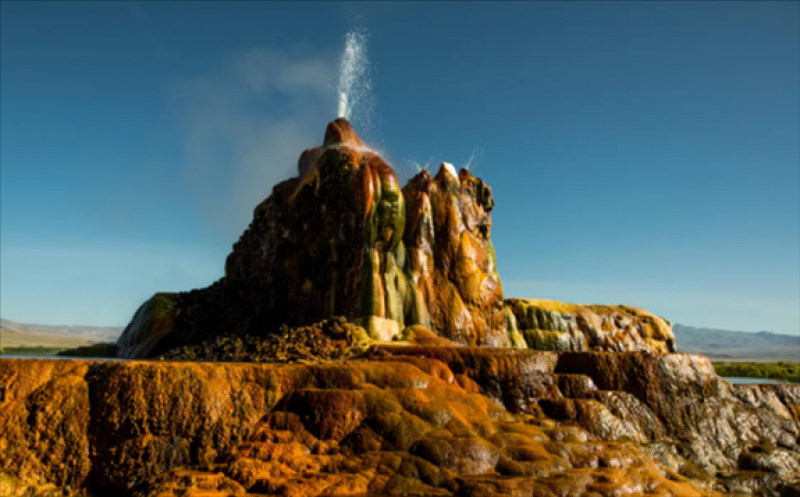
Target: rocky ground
(333,340)
(413,420)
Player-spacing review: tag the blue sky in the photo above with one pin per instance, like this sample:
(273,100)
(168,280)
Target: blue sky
(645,153)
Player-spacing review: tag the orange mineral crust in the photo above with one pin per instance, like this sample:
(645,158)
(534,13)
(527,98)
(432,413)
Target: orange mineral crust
(428,423)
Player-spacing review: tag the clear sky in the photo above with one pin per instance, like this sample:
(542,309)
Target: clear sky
(645,153)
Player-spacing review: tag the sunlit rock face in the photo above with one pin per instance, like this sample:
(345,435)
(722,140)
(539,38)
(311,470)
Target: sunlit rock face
(550,325)
(451,258)
(458,393)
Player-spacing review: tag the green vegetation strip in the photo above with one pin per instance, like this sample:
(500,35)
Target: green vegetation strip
(784,371)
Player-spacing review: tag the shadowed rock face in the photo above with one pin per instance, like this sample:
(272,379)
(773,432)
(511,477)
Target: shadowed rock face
(329,243)
(153,321)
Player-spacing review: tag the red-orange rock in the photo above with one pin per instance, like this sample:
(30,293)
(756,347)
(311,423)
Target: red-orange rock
(168,429)
(340,132)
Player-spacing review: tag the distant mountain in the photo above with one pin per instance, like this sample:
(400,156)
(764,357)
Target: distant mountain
(737,345)
(99,333)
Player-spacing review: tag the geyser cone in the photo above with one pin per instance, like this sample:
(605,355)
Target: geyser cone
(343,239)
(341,132)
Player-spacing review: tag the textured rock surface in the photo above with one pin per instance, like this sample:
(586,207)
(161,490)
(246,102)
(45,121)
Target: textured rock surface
(711,423)
(419,421)
(672,404)
(451,259)
(333,340)
(343,239)
(161,428)
(329,243)
(550,325)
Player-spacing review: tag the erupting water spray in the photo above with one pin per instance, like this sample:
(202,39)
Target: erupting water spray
(473,158)
(355,82)
(356,100)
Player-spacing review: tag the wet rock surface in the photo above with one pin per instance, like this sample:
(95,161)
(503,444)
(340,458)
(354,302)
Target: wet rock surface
(451,259)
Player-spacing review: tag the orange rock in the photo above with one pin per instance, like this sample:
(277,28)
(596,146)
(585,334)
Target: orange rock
(340,132)
(328,414)
(163,428)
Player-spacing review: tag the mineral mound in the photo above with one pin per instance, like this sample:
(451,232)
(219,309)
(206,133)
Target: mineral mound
(360,344)
(343,239)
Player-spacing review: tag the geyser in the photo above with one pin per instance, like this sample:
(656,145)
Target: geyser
(355,84)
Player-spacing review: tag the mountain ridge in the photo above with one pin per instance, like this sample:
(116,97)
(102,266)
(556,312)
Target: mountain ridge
(77,331)
(740,345)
